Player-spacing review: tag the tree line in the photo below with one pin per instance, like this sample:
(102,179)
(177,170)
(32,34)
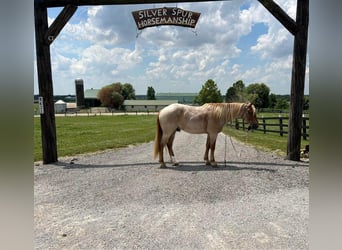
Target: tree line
(113,95)
(256,93)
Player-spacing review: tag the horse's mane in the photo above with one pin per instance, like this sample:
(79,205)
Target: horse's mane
(225,111)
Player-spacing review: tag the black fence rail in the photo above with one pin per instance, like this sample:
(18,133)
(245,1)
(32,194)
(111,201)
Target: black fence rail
(277,125)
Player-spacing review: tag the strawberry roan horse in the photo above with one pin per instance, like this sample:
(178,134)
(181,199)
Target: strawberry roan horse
(208,118)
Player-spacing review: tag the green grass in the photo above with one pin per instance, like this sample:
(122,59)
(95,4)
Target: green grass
(81,134)
(78,135)
(271,142)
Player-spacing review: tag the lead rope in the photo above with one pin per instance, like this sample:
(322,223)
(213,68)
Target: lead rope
(225,149)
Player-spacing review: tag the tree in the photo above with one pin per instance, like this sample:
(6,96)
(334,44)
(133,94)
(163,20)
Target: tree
(281,103)
(113,95)
(128,92)
(117,100)
(208,93)
(236,93)
(240,89)
(258,94)
(105,96)
(150,93)
(231,95)
(272,100)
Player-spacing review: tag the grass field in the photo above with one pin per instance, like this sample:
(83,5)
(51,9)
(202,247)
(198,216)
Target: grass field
(81,134)
(76,135)
(269,141)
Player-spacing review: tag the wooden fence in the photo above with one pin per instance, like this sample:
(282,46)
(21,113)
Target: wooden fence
(274,125)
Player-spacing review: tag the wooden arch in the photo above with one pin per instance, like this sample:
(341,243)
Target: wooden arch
(45,35)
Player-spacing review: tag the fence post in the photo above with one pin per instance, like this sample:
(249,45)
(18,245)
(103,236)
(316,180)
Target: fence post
(304,127)
(237,124)
(281,125)
(243,125)
(264,124)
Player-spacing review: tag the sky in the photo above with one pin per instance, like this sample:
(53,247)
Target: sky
(233,40)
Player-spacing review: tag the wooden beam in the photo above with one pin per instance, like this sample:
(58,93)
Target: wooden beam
(280,15)
(298,80)
(47,118)
(61,3)
(59,23)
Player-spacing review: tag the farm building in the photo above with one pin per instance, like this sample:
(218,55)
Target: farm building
(60,106)
(91,99)
(72,107)
(185,98)
(146,105)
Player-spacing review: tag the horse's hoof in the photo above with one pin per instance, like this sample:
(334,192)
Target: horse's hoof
(207,163)
(175,164)
(215,166)
(162,166)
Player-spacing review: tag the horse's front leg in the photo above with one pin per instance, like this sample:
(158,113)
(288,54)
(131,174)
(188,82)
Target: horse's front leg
(207,147)
(212,150)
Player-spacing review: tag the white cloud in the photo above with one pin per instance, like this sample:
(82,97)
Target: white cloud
(100,45)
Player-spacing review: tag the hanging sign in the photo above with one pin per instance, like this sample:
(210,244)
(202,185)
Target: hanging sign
(41,105)
(165,16)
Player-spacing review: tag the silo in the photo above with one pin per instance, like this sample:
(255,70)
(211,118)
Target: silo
(79,93)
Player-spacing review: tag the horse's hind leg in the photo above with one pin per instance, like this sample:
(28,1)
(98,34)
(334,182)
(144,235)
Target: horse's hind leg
(169,147)
(162,144)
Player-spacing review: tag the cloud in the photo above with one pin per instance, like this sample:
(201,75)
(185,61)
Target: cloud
(278,42)
(100,45)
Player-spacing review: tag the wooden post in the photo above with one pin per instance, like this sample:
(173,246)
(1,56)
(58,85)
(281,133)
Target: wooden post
(299,29)
(264,124)
(304,128)
(47,118)
(298,80)
(281,127)
(44,37)
(237,125)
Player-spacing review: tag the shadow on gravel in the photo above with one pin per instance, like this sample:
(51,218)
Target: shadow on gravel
(190,166)
(74,165)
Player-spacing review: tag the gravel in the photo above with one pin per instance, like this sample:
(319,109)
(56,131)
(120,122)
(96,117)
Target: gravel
(121,199)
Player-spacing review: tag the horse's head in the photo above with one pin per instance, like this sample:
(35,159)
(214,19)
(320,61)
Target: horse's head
(249,115)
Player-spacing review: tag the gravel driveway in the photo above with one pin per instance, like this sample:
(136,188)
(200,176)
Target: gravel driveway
(121,199)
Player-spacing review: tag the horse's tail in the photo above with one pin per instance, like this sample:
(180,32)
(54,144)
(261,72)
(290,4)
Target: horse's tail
(157,138)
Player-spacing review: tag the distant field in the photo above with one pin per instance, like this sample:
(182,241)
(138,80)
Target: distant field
(82,134)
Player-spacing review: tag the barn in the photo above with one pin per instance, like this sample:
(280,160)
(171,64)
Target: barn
(146,105)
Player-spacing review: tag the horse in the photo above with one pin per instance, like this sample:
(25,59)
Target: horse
(208,118)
